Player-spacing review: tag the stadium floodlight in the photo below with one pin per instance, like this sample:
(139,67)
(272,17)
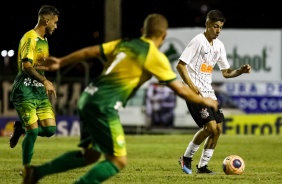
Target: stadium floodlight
(11,53)
(4,53)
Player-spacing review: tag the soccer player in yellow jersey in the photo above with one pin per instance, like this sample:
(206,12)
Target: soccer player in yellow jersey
(31,88)
(128,64)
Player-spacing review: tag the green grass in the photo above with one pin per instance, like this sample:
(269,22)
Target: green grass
(153,159)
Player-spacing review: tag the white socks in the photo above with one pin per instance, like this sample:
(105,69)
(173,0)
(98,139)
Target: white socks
(206,156)
(191,149)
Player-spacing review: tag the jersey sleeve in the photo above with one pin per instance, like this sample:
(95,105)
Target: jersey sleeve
(108,48)
(28,44)
(222,62)
(160,67)
(190,51)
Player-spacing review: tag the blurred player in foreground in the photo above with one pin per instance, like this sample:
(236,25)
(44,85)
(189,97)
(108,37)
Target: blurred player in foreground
(31,88)
(195,67)
(128,64)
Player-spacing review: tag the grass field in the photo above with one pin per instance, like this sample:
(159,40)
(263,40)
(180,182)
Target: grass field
(153,159)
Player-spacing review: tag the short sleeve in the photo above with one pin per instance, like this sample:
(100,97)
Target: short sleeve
(28,44)
(108,48)
(190,51)
(160,67)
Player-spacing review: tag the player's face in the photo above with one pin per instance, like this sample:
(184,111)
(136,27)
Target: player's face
(51,24)
(214,28)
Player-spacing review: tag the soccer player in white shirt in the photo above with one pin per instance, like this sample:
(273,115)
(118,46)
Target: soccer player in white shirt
(195,67)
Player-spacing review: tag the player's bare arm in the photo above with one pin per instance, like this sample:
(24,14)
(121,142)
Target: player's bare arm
(182,70)
(230,73)
(80,55)
(53,63)
(30,71)
(186,93)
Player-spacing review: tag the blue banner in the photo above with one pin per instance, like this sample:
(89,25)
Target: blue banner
(66,126)
(261,97)
(258,104)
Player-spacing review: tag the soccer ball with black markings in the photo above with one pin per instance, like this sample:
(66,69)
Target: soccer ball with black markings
(233,165)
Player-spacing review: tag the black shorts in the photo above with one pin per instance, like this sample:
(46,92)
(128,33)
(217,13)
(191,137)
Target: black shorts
(203,114)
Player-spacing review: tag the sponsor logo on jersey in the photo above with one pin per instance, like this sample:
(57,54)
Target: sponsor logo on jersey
(29,82)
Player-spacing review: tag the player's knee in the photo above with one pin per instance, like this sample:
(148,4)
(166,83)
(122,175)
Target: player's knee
(211,128)
(120,162)
(208,131)
(219,129)
(49,131)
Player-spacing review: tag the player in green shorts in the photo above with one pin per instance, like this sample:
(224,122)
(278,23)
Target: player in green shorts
(129,63)
(31,88)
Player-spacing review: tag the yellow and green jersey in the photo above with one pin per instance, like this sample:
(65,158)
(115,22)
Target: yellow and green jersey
(31,48)
(129,63)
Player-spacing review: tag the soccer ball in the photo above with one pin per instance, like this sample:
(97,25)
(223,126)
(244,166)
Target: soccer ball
(233,165)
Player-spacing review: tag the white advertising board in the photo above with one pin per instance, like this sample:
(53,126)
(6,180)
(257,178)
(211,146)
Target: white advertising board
(260,48)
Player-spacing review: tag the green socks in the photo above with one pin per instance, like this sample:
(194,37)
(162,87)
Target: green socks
(99,173)
(30,138)
(28,145)
(67,161)
(46,131)
(74,159)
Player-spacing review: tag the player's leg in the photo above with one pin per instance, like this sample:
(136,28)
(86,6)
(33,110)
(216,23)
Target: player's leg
(193,146)
(108,136)
(47,122)
(214,128)
(46,128)
(27,114)
(211,141)
(76,159)
(47,125)
(103,170)
(207,152)
(67,161)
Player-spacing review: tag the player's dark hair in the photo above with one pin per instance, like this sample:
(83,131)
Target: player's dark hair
(48,10)
(215,15)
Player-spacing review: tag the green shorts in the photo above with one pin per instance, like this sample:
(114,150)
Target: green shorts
(101,129)
(30,111)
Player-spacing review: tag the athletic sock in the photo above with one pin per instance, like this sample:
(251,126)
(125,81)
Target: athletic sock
(67,161)
(40,131)
(99,173)
(28,145)
(206,156)
(191,150)
(46,131)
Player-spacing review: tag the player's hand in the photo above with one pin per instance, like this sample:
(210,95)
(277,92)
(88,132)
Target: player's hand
(49,88)
(246,68)
(48,64)
(211,103)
